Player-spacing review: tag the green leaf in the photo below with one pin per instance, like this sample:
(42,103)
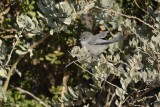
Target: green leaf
(3,73)
(87,77)
(57,62)
(66,20)
(19,52)
(128,22)
(107,3)
(157,0)
(120,92)
(30,52)
(71,91)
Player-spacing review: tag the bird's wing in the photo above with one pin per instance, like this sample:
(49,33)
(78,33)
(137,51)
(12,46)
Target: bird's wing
(104,42)
(98,38)
(97,42)
(102,34)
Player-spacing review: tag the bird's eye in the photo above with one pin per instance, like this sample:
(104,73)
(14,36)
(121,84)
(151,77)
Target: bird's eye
(83,38)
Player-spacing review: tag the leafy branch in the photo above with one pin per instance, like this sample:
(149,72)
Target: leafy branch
(5,86)
(32,95)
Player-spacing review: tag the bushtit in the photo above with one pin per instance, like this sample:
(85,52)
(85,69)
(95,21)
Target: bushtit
(95,45)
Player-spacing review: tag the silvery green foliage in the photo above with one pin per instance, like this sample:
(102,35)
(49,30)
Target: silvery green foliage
(137,62)
(3,51)
(3,96)
(29,25)
(140,61)
(107,3)
(78,95)
(24,48)
(3,73)
(157,103)
(133,70)
(3,60)
(60,15)
(56,13)
(3,68)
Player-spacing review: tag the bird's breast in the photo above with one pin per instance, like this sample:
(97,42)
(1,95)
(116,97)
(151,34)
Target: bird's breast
(83,43)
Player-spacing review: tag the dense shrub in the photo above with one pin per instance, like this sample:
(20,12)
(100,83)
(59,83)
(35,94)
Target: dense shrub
(42,63)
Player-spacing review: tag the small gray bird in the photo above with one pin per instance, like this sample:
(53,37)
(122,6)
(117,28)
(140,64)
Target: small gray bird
(96,44)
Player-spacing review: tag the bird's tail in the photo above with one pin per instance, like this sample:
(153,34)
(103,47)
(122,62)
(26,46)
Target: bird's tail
(112,40)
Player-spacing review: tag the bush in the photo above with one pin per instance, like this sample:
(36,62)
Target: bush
(39,42)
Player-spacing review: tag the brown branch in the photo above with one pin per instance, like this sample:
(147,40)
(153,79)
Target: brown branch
(136,3)
(64,87)
(5,86)
(40,41)
(36,98)
(128,16)
(133,17)
(110,98)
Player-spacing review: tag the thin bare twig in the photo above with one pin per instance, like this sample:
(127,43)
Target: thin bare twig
(5,86)
(14,45)
(135,1)
(94,75)
(36,98)
(109,98)
(128,16)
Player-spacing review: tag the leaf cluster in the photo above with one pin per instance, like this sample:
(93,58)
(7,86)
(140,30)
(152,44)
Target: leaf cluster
(34,44)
